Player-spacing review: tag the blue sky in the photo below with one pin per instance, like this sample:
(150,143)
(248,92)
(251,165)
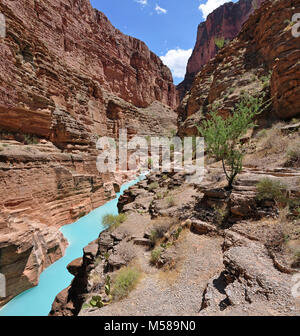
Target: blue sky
(168,27)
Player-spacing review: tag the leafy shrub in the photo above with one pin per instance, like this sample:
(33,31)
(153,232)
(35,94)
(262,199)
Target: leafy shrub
(152,186)
(30,139)
(222,135)
(124,283)
(155,255)
(113,222)
(293,155)
(158,232)
(266,79)
(170,201)
(106,255)
(271,189)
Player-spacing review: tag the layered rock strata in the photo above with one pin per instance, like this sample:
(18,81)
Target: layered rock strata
(262,58)
(223,23)
(67,77)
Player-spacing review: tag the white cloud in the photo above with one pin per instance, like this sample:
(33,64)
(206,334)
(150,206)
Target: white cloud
(176,60)
(142,2)
(160,10)
(210,6)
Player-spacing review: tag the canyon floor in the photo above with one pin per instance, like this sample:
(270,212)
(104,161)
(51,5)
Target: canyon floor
(220,253)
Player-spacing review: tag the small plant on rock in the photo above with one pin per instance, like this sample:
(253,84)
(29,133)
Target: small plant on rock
(171,201)
(271,189)
(30,139)
(153,186)
(127,278)
(293,155)
(113,222)
(155,255)
(266,79)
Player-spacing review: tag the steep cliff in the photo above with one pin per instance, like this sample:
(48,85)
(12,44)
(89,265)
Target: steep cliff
(224,22)
(67,76)
(262,58)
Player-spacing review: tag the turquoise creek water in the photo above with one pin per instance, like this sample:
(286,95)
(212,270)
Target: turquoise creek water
(37,301)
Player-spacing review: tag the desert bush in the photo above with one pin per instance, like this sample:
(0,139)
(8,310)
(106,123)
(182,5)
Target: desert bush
(222,135)
(156,234)
(113,222)
(271,189)
(220,215)
(266,79)
(152,186)
(30,139)
(159,231)
(293,156)
(170,201)
(296,259)
(220,42)
(125,281)
(273,141)
(155,255)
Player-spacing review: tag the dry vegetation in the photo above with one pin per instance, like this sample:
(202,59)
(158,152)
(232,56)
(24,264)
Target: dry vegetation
(274,147)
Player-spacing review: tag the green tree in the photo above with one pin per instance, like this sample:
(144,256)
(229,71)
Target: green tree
(222,136)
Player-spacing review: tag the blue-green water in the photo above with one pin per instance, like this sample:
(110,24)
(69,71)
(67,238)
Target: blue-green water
(37,301)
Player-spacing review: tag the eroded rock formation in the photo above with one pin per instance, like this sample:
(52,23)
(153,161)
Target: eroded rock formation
(203,266)
(224,22)
(263,57)
(67,76)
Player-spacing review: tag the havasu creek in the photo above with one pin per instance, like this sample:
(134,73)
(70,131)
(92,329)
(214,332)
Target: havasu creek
(167,243)
(38,300)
